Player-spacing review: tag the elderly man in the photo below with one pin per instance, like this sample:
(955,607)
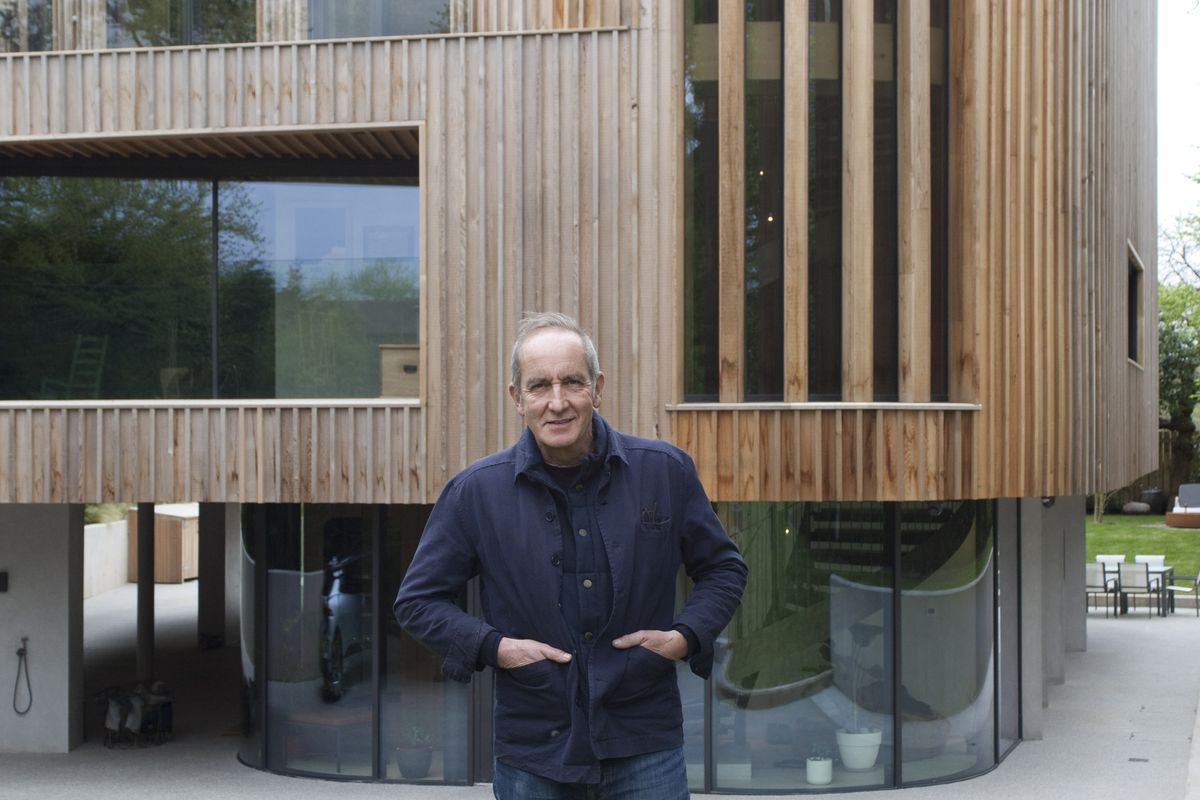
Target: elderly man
(577,532)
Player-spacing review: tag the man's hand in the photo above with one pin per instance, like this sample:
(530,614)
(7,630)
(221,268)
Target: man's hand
(513,653)
(669,644)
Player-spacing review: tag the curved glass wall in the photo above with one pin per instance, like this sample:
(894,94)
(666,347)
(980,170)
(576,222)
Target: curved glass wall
(867,637)
(343,692)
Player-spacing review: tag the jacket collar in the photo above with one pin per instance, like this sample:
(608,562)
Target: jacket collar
(606,447)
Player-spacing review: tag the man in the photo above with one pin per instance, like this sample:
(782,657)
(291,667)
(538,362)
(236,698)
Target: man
(577,532)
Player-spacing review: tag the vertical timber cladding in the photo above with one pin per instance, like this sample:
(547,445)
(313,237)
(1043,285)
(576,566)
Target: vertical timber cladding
(211,451)
(551,165)
(1051,174)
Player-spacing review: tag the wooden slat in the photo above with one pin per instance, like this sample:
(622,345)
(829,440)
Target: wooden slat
(913,107)
(795,203)
(858,171)
(731,45)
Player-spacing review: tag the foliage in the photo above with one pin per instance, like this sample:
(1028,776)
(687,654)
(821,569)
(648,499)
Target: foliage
(147,23)
(1179,248)
(105,512)
(1178,351)
(1145,534)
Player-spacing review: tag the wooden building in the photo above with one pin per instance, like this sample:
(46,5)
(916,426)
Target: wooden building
(854,257)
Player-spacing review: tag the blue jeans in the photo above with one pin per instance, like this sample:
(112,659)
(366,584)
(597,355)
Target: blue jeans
(654,776)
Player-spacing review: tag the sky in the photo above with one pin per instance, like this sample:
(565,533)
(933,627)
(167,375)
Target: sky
(1178,108)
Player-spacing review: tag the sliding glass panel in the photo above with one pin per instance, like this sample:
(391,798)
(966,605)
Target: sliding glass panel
(320,701)
(886,232)
(105,288)
(824,200)
(947,700)
(332,19)
(764,200)
(319,290)
(804,670)
(424,733)
(701,191)
(153,23)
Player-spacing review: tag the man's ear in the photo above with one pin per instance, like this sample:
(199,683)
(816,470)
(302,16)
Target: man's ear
(599,387)
(516,398)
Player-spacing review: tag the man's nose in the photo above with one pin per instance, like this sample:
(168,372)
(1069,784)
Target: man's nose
(558,396)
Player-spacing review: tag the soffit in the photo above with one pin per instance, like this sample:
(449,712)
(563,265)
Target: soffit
(353,142)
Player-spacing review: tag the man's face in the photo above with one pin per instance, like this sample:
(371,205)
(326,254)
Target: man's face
(557,396)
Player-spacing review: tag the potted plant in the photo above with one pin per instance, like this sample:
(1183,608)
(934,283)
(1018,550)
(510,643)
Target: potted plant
(818,767)
(858,746)
(414,752)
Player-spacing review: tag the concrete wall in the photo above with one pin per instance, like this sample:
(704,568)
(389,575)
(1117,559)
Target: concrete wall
(41,548)
(1053,614)
(105,557)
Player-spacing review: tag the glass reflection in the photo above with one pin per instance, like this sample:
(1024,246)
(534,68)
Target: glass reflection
(764,201)
(824,200)
(319,641)
(804,670)
(701,194)
(424,731)
(319,290)
(26,26)
(947,606)
(886,231)
(156,23)
(344,18)
(105,288)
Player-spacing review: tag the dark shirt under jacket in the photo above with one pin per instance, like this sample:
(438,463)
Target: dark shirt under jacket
(505,518)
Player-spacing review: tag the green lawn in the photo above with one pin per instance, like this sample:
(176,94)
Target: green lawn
(1145,535)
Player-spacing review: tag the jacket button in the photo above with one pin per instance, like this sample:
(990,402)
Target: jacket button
(587,637)
(579,487)
(549,516)
(583,531)
(587,583)
(555,559)
(554,733)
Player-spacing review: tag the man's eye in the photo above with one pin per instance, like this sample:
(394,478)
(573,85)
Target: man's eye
(538,387)
(572,383)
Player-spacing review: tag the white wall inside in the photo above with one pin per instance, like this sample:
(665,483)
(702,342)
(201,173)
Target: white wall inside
(105,557)
(41,549)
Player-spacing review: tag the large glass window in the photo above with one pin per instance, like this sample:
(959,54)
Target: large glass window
(332,19)
(319,290)
(764,200)
(886,230)
(824,200)
(107,289)
(701,192)
(151,23)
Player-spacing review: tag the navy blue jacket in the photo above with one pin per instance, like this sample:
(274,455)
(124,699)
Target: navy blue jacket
(495,521)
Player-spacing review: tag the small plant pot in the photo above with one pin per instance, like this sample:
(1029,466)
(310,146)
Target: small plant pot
(860,748)
(414,762)
(818,770)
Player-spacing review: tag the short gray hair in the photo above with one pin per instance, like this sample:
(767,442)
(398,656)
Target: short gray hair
(542,320)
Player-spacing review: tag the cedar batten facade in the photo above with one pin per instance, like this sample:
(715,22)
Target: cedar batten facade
(884,269)
(549,156)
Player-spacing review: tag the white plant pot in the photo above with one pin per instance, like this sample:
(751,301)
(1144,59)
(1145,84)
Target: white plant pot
(819,770)
(860,748)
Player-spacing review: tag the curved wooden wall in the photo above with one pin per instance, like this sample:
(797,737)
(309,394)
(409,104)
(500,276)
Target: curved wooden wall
(550,167)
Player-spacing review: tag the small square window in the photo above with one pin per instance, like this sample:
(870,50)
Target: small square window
(1133,301)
